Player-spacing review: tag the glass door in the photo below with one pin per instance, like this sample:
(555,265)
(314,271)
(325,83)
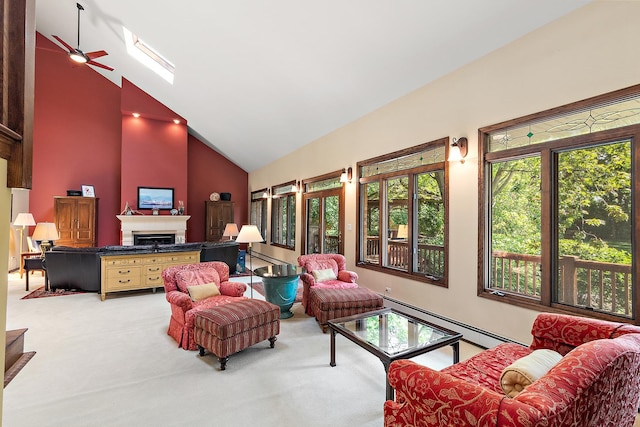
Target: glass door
(324,220)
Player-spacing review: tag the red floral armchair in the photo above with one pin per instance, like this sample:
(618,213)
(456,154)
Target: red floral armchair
(316,274)
(184,306)
(595,384)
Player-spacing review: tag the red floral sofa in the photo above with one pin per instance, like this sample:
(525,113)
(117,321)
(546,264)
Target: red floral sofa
(179,278)
(595,384)
(311,263)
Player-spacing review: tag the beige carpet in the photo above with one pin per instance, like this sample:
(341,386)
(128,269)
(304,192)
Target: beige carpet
(111,363)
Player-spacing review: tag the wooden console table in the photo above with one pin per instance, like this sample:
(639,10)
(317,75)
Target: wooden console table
(139,270)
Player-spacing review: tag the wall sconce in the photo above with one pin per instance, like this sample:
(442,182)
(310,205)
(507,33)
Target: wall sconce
(459,149)
(347,175)
(266,193)
(299,186)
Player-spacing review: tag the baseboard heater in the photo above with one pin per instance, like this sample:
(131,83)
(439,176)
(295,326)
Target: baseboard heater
(469,333)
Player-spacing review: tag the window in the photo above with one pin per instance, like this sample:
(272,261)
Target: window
(259,211)
(558,225)
(283,215)
(323,213)
(402,213)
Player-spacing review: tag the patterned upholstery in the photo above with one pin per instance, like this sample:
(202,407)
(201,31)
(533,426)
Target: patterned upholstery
(596,384)
(327,303)
(345,279)
(227,329)
(183,310)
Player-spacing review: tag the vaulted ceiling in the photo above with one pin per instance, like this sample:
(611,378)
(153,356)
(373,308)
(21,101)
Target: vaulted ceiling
(257,79)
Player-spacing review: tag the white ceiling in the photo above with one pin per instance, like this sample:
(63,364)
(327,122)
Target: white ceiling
(256,79)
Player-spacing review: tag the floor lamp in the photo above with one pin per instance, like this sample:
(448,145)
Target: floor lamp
(23,220)
(250,234)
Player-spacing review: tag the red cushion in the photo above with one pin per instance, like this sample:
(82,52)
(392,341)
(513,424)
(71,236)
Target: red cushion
(186,278)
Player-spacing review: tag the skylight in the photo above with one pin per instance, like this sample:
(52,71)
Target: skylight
(148,56)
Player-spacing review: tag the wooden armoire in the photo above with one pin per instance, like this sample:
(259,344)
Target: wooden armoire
(76,219)
(217,216)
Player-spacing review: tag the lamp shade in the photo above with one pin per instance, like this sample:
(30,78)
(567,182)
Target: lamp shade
(249,234)
(230,230)
(45,231)
(454,153)
(24,219)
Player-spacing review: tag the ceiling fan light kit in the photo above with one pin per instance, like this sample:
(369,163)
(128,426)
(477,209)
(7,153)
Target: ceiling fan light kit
(79,56)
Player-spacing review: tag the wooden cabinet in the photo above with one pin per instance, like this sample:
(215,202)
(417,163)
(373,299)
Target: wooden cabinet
(76,218)
(217,216)
(139,271)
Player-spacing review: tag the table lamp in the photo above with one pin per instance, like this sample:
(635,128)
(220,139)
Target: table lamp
(23,220)
(230,230)
(45,232)
(250,234)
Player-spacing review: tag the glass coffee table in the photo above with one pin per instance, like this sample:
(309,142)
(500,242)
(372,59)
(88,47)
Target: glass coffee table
(391,335)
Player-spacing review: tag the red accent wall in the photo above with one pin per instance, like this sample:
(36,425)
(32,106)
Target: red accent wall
(210,172)
(154,148)
(84,134)
(76,141)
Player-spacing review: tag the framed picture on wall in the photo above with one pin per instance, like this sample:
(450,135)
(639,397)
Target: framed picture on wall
(88,191)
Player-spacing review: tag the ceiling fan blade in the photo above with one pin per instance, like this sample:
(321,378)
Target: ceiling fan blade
(96,54)
(65,44)
(97,64)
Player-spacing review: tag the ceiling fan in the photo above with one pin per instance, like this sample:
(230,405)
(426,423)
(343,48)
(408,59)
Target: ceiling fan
(83,57)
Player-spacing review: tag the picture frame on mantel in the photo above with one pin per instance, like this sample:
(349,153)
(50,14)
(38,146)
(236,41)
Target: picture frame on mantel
(88,191)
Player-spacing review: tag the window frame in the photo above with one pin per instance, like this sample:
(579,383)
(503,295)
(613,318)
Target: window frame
(548,157)
(258,197)
(412,173)
(291,201)
(307,193)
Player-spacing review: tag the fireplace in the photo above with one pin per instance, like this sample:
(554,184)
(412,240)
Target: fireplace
(154,239)
(152,225)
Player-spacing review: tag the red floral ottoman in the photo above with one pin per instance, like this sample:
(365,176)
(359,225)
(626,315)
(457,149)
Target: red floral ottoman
(229,328)
(329,303)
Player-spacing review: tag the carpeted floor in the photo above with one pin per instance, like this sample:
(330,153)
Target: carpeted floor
(111,363)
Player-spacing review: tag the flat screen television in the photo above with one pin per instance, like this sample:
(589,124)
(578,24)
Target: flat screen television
(155,198)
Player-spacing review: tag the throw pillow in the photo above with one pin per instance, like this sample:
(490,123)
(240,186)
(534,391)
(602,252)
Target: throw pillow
(185,278)
(324,275)
(526,370)
(200,292)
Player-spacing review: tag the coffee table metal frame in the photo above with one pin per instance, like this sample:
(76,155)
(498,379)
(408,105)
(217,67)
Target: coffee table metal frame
(336,326)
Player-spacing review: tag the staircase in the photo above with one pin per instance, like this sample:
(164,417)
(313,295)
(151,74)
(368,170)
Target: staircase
(14,356)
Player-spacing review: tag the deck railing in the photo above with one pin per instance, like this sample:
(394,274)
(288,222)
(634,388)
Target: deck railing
(602,286)
(599,285)
(430,257)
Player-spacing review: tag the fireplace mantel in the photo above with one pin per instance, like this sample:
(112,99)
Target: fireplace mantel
(148,224)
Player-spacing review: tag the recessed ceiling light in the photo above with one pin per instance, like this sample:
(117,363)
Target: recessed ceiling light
(148,56)
(136,115)
(176,121)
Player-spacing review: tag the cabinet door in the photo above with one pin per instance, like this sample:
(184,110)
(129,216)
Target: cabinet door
(64,212)
(217,215)
(85,222)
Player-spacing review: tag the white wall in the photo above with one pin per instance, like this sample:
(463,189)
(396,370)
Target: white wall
(587,53)
(19,203)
